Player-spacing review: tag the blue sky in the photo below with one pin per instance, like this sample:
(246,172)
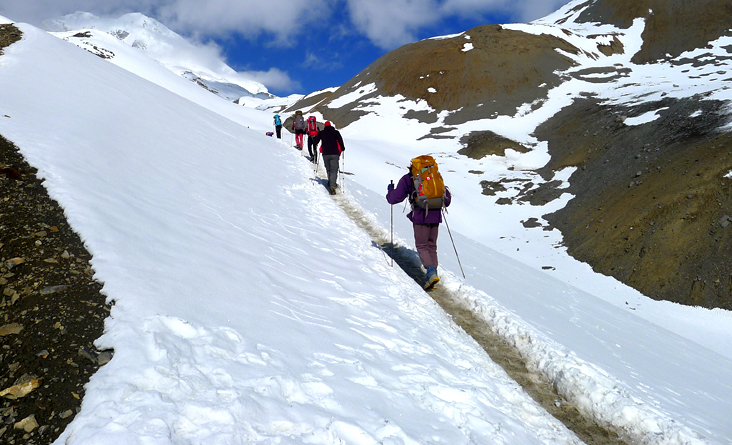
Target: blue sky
(299,46)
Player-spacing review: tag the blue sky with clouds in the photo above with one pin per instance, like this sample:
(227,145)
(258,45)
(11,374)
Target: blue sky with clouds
(299,46)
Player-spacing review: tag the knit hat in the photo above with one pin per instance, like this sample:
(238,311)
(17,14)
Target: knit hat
(327,123)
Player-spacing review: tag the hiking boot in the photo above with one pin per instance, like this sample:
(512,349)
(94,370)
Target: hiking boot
(332,190)
(432,278)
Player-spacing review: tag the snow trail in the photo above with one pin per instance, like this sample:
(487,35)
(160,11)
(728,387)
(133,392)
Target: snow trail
(508,357)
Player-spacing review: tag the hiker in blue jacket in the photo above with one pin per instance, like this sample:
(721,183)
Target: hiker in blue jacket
(278,125)
(426,225)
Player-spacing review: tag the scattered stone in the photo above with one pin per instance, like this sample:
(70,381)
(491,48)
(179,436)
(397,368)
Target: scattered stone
(10,329)
(66,414)
(104,357)
(85,353)
(13,262)
(22,387)
(725,221)
(28,424)
(53,289)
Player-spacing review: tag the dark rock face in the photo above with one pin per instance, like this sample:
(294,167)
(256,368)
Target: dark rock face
(479,144)
(672,26)
(9,34)
(51,309)
(650,200)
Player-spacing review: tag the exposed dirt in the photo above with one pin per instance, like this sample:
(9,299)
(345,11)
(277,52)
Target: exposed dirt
(9,34)
(672,26)
(652,203)
(51,308)
(479,144)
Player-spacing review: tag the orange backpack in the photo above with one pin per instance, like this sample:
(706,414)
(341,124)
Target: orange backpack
(429,189)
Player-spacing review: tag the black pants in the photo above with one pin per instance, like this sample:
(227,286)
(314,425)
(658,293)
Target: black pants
(312,148)
(278,128)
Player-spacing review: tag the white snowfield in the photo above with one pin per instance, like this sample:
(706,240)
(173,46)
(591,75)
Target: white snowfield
(249,308)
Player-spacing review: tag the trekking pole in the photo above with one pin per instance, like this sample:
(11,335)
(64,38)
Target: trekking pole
(343,165)
(391,225)
(453,242)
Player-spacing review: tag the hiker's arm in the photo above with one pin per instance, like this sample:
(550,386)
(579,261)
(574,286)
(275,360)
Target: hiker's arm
(400,193)
(340,141)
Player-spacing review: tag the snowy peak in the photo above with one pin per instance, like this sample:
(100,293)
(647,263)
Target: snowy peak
(199,63)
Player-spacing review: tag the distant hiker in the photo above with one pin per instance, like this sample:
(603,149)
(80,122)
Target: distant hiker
(278,126)
(428,195)
(298,125)
(331,149)
(312,132)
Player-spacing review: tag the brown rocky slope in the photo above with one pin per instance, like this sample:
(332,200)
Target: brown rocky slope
(51,308)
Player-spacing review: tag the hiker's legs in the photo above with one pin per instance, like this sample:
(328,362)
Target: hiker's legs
(311,147)
(298,139)
(279,131)
(331,166)
(425,239)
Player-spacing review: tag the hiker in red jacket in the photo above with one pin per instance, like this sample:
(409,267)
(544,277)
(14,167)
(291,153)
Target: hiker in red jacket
(312,132)
(331,148)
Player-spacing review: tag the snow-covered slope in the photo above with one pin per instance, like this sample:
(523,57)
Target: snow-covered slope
(199,64)
(250,308)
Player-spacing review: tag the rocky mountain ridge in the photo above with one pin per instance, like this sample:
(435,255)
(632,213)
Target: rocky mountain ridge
(643,117)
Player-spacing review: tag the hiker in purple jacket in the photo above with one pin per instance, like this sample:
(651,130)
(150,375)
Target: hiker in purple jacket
(426,224)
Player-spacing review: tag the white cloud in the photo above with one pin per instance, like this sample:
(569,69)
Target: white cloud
(283,19)
(391,23)
(275,79)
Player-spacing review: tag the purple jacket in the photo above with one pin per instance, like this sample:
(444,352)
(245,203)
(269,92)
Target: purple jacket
(404,190)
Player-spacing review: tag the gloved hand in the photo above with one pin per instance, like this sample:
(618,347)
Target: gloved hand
(390,187)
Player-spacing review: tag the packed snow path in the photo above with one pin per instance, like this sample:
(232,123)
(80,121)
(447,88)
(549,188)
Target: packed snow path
(500,351)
